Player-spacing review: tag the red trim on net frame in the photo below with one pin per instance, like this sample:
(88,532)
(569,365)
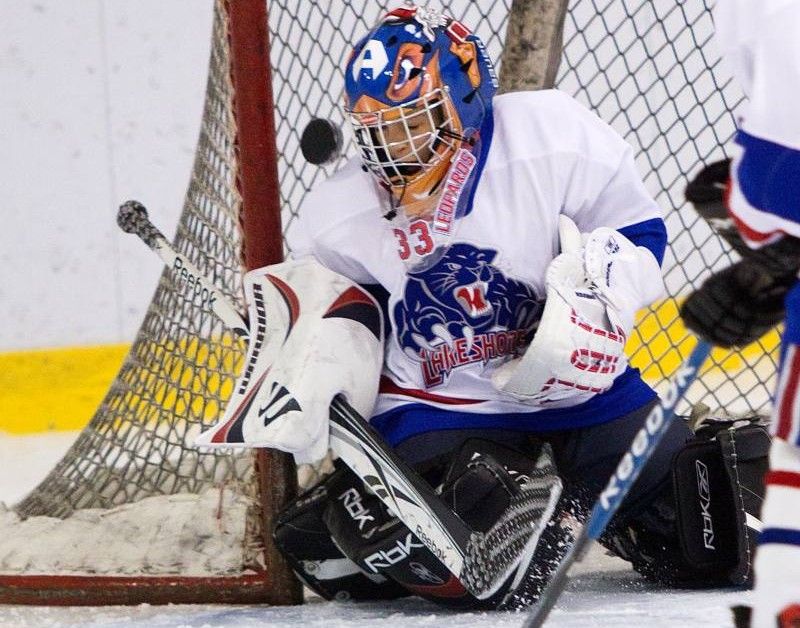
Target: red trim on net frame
(37,590)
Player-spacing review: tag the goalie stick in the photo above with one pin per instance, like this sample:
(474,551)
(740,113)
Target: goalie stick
(482,562)
(624,476)
(132,218)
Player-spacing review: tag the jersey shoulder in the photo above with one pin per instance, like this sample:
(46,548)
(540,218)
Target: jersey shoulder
(347,192)
(347,195)
(336,219)
(535,123)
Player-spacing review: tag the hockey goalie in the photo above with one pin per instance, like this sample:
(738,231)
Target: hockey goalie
(467,283)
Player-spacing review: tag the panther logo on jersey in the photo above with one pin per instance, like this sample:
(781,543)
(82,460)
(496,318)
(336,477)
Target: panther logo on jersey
(463,310)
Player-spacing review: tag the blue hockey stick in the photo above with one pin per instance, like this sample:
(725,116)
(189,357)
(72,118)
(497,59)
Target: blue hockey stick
(628,469)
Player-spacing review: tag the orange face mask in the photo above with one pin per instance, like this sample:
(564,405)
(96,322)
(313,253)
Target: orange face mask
(409,147)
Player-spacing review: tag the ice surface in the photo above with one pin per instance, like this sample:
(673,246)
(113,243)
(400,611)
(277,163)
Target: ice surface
(27,459)
(603,592)
(608,599)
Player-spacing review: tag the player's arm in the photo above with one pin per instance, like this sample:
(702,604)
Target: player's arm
(738,304)
(753,201)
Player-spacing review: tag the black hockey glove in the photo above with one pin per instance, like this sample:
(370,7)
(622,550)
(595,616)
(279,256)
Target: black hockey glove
(738,305)
(706,192)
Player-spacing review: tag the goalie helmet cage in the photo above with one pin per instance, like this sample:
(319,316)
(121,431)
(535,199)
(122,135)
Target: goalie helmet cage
(100,527)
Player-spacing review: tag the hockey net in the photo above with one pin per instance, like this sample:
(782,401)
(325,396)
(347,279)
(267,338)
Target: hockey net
(133,512)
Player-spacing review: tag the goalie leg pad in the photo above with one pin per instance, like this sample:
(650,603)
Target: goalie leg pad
(719,487)
(304,540)
(699,530)
(479,483)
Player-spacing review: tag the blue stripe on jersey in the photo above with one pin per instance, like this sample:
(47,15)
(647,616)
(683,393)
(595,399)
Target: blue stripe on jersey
(791,333)
(486,135)
(783,536)
(651,234)
(769,176)
(627,394)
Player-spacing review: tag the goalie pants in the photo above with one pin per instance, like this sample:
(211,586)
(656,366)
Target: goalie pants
(585,458)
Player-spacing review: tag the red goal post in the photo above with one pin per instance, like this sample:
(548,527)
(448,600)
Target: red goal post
(189,526)
(177,376)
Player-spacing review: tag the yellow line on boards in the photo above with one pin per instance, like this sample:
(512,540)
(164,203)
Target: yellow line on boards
(55,389)
(660,342)
(60,389)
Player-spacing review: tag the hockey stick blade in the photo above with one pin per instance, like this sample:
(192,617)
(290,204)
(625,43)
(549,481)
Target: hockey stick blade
(472,557)
(628,469)
(132,218)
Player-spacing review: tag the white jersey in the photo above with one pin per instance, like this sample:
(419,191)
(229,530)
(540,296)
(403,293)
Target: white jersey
(760,40)
(452,325)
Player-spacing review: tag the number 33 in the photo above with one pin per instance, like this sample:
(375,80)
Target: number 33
(418,237)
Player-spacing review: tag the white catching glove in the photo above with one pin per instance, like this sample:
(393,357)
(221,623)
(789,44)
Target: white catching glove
(593,292)
(314,334)
(627,277)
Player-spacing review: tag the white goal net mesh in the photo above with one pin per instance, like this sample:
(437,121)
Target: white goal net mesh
(174,381)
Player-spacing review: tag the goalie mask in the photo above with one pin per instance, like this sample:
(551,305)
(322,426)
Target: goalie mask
(419,89)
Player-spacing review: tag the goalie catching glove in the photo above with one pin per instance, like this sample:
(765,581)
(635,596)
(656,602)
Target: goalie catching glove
(594,288)
(313,334)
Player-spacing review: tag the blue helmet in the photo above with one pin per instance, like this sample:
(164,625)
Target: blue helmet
(418,88)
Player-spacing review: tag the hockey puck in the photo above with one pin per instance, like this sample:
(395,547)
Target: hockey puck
(321,142)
